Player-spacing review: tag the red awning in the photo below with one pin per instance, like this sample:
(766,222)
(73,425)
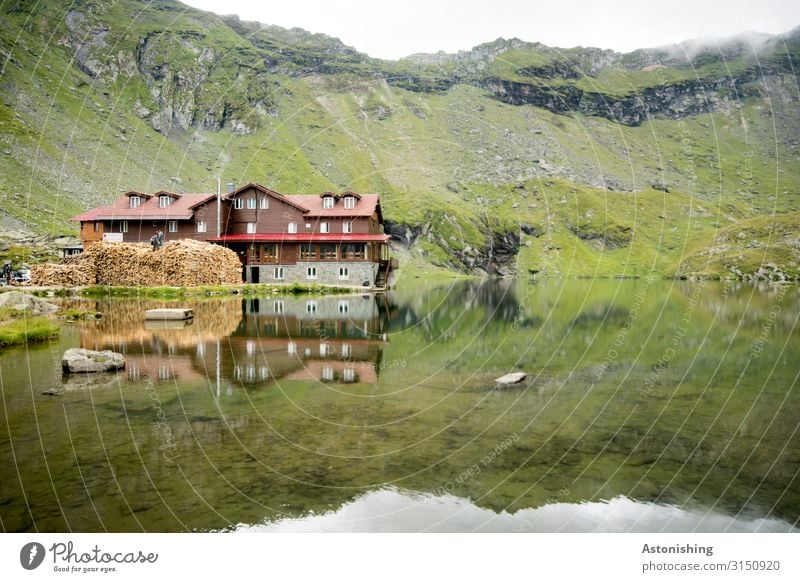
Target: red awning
(302,237)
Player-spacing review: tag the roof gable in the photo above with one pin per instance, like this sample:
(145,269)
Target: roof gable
(276,195)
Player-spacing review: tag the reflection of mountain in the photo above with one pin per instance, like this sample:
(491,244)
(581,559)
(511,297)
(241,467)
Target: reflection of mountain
(709,433)
(250,341)
(392,510)
(462,303)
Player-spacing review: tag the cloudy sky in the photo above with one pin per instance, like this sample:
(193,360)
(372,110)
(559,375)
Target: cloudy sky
(395,29)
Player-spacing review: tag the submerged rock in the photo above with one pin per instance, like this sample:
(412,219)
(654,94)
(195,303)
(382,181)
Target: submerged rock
(512,378)
(80,360)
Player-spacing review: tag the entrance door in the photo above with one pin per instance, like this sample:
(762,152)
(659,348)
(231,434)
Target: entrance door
(254,273)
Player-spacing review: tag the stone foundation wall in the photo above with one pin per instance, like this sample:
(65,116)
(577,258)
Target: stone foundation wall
(327,273)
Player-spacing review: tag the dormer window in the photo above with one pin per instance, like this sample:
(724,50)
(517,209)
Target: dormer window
(327,202)
(164,201)
(135,201)
(349,202)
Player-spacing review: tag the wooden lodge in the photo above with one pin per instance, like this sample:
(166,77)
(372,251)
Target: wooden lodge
(332,239)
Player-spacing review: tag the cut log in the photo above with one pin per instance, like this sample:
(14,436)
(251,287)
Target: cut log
(173,314)
(509,379)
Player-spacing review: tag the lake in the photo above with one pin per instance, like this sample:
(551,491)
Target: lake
(649,405)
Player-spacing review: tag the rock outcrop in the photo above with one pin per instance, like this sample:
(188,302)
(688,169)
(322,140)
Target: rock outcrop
(27,303)
(77,360)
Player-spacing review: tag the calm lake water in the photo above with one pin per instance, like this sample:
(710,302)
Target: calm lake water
(648,406)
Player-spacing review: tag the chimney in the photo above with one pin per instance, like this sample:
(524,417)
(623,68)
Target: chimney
(231,187)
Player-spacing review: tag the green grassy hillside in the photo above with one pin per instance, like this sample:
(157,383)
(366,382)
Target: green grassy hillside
(521,157)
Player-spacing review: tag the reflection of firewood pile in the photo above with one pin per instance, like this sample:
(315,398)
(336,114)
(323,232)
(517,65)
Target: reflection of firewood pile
(123,321)
(179,263)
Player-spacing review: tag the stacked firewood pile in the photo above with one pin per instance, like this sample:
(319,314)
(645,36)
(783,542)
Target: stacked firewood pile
(73,275)
(178,264)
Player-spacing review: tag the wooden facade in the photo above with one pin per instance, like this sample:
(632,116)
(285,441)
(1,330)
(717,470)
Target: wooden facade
(263,227)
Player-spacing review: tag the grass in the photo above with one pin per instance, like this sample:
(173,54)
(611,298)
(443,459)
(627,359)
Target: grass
(742,249)
(16,328)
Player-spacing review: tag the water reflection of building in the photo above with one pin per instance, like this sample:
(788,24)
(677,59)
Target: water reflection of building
(331,339)
(327,339)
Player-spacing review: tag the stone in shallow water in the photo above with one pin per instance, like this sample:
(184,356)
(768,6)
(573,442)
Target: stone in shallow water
(80,360)
(513,378)
(168,314)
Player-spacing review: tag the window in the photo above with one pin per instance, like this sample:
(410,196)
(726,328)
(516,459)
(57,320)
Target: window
(251,228)
(291,348)
(327,202)
(327,374)
(347,350)
(325,227)
(324,349)
(344,306)
(344,274)
(97,227)
(263,203)
(349,375)
(351,251)
(311,273)
(270,252)
(250,347)
(311,306)
(172,226)
(278,306)
(277,273)
(292,227)
(123,226)
(347,227)
(349,202)
(251,203)
(164,201)
(202,226)
(135,201)
(308,251)
(238,203)
(327,252)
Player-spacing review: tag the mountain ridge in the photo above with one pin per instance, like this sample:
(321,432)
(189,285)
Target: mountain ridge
(497,166)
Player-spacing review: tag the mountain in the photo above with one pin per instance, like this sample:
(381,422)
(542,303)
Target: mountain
(510,157)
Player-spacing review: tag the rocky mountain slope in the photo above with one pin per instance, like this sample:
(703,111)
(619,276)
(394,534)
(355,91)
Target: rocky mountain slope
(510,157)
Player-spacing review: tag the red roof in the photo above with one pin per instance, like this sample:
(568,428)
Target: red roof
(302,237)
(149,209)
(182,205)
(364,207)
(90,214)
